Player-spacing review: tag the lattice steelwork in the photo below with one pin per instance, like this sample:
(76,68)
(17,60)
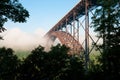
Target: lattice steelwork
(67,29)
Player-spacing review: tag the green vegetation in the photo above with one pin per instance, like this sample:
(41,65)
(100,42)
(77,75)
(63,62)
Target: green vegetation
(106,23)
(39,65)
(94,55)
(9,64)
(22,54)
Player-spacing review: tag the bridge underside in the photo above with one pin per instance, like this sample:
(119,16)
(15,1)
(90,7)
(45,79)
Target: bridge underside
(68,28)
(68,40)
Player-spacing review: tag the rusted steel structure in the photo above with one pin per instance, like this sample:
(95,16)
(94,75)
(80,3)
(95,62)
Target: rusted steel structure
(67,29)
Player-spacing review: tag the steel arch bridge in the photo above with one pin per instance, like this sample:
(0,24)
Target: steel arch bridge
(67,29)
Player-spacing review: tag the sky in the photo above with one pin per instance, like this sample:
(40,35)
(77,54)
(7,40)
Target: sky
(44,14)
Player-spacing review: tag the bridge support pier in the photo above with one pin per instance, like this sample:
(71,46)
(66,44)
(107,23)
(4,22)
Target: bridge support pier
(86,35)
(67,30)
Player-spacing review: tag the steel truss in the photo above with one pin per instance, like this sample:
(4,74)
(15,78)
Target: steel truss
(67,30)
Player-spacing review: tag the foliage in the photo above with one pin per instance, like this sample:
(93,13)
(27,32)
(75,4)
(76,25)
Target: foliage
(22,54)
(107,24)
(13,10)
(53,65)
(9,64)
(30,70)
(73,70)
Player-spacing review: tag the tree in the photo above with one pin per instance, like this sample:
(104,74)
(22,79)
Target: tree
(42,65)
(107,21)
(9,64)
(107,24)
(13,10)
(73,70)
(53,65)
(33,66)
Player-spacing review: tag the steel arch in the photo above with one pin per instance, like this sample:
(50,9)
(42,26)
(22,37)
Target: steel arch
(68,40)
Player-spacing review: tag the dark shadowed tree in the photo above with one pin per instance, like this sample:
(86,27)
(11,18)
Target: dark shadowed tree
(33,66)
(9,64)
(53,65)
(12,10)
(73,70)
(42,65)
(107,25)
(57,61)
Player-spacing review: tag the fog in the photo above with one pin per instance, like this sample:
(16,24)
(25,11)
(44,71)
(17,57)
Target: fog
(20,40)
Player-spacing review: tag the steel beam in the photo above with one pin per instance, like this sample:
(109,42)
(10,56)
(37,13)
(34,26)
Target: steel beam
(86,34)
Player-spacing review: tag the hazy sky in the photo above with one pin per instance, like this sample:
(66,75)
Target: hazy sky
(44,14)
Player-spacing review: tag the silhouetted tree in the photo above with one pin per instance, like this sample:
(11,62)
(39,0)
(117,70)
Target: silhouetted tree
(107,24)
(9,64)
(33,66)
(56,61)
(41,65)
(53,65)
(64,66)
(13,10)
(73,70)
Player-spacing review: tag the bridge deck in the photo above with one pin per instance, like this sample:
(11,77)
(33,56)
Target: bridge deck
(77,12)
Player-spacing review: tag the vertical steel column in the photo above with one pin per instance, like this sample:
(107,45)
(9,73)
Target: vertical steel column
(71,29)
(61,27)
(86,34)
(66,25)
(74,24)
(78,30)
